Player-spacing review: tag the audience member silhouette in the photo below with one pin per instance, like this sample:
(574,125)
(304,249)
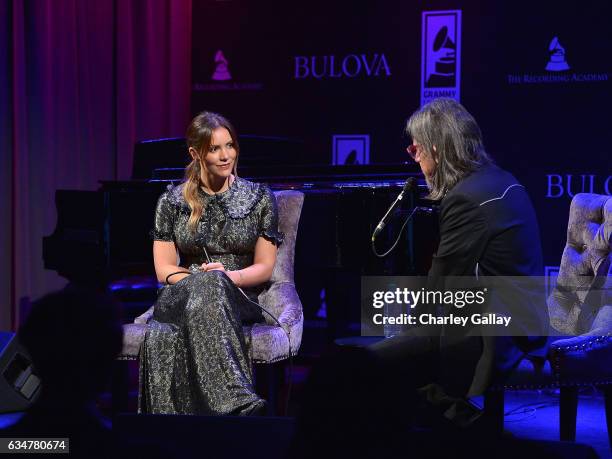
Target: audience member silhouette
(73,337)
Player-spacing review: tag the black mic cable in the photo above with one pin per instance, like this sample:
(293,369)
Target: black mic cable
(287,334)
(381,255)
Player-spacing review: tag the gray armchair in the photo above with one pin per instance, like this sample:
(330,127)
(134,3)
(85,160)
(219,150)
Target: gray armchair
(268,343)
(580,306)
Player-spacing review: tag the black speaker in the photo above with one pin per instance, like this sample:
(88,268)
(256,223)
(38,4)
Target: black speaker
(19,384)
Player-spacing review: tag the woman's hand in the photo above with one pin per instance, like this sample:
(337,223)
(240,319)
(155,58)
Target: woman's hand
(234,276)
(259,272)
(212,267)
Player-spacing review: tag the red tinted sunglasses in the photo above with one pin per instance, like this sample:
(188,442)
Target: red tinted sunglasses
(412,151)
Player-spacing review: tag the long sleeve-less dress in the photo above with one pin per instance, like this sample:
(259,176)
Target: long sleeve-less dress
(195,358)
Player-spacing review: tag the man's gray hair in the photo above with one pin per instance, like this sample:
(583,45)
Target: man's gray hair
(459,150)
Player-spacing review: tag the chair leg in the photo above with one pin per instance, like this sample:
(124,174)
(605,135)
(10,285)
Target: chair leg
(607,390)
(272,390)
(276,382)
(494,410)
(568,409)
(270,379)
(120,387)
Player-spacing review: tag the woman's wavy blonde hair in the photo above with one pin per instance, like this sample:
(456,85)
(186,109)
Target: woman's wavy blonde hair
(198,137)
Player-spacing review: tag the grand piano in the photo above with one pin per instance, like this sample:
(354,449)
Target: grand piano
(102,237)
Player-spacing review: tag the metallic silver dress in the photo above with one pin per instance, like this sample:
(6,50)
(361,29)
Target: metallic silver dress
(195,358)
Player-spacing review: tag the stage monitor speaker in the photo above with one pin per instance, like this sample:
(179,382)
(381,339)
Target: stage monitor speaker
(19,384)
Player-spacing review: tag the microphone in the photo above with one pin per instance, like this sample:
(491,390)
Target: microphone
(408,186)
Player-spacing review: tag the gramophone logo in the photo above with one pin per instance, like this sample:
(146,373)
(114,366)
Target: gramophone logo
(222,78)
(555,71)
(557,62)
(440,55)
(221,72)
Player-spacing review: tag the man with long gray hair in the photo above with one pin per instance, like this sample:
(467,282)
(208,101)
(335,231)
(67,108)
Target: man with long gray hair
(488,227)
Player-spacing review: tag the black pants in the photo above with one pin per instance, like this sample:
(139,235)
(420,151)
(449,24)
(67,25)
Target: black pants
(439,369)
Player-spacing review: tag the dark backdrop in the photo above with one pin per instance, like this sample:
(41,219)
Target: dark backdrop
(550,128)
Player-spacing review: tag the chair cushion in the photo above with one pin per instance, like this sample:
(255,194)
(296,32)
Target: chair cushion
(582,360)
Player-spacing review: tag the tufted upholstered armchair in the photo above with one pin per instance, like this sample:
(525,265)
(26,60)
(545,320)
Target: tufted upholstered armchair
(268,343)
(580,307)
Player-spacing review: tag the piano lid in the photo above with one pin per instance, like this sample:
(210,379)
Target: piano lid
(304,177)
(172,153)
(317,174)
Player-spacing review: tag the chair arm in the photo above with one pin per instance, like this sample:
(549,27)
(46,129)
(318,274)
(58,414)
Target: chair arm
(602,324)
(563,311)
(282,299)
(144,317)
(582,342)
(292,306)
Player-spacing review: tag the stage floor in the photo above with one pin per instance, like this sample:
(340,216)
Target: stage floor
(535,415)
(530,415)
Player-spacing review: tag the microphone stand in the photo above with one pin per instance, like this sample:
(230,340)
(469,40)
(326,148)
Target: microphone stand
(410,183)
(383,221)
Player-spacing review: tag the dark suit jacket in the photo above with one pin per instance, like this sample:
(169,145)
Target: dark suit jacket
(488,227)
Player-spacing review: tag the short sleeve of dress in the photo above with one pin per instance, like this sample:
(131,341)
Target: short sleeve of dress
(268,221)
(165,215)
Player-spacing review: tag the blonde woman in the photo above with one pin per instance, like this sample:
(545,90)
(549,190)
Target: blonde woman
(213,234)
